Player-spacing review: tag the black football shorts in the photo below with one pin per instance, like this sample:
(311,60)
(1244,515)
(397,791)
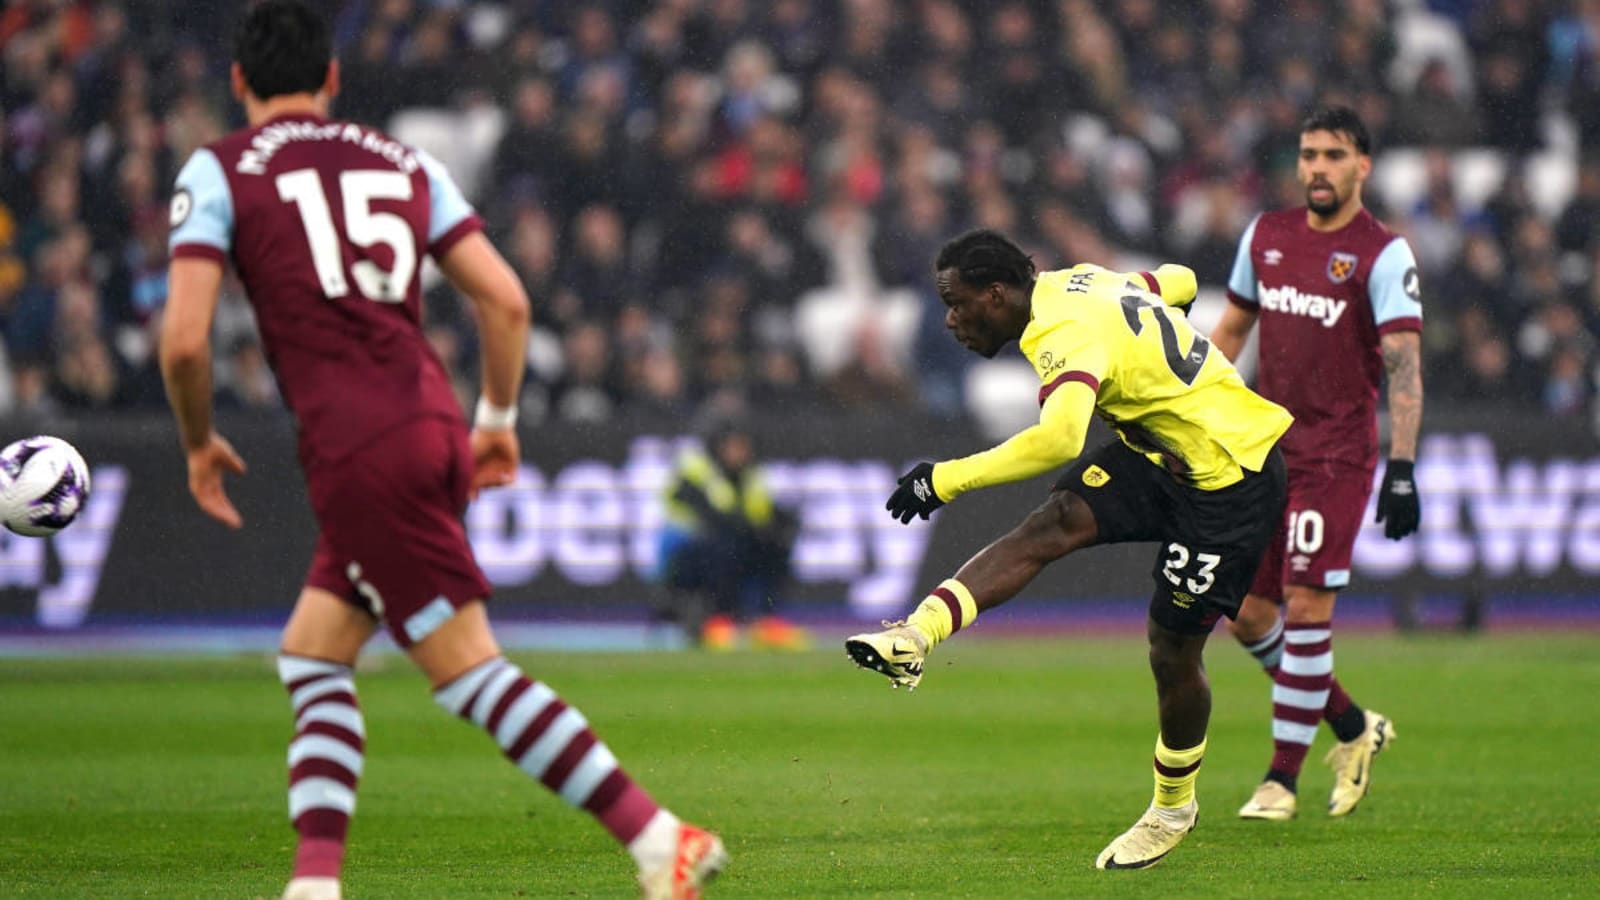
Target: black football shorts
(1210,542)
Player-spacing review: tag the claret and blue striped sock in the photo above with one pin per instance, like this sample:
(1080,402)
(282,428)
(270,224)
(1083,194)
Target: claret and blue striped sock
(1268,650)
(1300,691)
(1341,713)
(553,744)
(325,760)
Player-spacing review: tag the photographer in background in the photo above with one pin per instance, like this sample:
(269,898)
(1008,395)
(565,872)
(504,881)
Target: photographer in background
(725,545)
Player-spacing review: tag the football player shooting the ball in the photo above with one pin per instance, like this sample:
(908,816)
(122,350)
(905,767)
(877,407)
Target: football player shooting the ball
(1195,468)
(324,221)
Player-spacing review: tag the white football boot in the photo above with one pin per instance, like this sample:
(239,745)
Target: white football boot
(1352,763)
(1150,839)
(897,652)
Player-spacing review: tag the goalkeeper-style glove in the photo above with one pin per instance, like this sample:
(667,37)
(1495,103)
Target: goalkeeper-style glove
(915,496)
(1397,500)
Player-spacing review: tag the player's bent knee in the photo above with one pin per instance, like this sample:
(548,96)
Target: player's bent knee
(1062,524)
(1169,664)
(1175,655)
(1308,604)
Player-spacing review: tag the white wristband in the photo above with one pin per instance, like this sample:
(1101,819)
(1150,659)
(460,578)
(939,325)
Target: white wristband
(494,418)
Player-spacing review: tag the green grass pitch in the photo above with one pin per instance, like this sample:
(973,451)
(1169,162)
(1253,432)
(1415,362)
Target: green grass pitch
(1003,776)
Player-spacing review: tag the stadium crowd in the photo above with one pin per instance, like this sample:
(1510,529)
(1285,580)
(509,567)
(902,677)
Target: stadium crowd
(713,198)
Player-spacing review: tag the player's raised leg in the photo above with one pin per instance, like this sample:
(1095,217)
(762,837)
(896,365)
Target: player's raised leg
(553,743)
(320,645)
(1064,523)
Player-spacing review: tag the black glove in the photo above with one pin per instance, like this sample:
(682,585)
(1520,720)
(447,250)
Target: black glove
(1397,500)
(915,496)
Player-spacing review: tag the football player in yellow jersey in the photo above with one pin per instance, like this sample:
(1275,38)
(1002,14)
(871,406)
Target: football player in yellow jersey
(1195,468)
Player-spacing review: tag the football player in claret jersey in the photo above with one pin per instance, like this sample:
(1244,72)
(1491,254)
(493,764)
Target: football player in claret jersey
(325,222)
(1339,306)
(1195,468)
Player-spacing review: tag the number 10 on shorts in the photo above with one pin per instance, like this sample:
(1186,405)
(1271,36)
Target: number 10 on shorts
(1177,565)
(1305,531)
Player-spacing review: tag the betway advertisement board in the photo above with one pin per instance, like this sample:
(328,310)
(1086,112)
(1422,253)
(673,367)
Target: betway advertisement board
(1509,506)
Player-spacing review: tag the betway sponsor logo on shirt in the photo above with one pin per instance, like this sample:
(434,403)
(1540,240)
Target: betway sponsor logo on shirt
(1290,299)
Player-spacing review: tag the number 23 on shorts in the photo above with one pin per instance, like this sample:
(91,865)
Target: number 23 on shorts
(1191,571)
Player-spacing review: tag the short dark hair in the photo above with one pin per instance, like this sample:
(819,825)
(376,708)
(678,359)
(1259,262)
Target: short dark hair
(985,256)
(283,47)
(1339,120)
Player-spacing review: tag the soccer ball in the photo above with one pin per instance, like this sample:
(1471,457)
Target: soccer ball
(44,483)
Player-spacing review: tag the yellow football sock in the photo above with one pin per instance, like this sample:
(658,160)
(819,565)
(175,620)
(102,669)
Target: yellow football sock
(947,610)
(1176,771)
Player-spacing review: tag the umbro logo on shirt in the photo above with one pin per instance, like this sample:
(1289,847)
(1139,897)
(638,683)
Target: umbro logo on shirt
(1272,257)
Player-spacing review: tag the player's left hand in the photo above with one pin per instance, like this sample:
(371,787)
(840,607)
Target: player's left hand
(207,463)
(1399,508)
(494,458)
(915,496)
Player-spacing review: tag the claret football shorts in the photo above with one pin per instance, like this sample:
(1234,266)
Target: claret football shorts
(392,541)
(1317,535)
(1209,543)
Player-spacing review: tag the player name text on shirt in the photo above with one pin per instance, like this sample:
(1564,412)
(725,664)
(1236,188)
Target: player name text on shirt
(271,138)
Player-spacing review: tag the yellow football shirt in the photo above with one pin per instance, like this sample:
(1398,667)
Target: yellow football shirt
(1159,384)
(1112,345)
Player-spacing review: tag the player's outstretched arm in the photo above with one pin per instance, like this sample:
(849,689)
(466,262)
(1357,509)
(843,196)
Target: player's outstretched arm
(478,270)
(1055,441)
(1233,329)
(193,284)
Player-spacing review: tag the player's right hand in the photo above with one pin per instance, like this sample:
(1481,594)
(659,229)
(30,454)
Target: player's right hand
(207,464)
(915,495)
(495,453)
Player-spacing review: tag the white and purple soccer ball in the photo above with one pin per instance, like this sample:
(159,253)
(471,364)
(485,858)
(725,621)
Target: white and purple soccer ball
(44,483)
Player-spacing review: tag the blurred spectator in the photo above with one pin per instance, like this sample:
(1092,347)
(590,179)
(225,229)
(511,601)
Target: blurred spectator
(87,374)
(856,335)
(1437,226)
(1436,112)
(597,268)
(1488,371)
(1576,66)
(529,150)
(1508,40)
(752,89)
(1576,229)
(369,91)
(586,391)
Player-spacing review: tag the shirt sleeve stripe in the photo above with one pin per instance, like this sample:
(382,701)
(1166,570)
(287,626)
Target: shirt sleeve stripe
(1151,283)
(1407,323)
(1244,302)
(200,251)
(1065,377)
(457,231)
